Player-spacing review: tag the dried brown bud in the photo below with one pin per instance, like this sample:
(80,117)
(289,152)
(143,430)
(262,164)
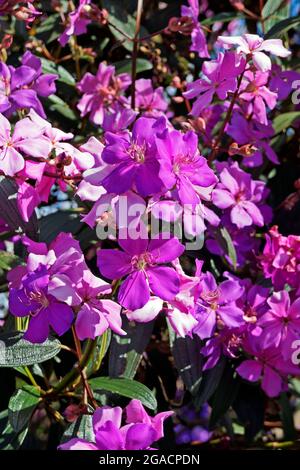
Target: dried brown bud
(183,25)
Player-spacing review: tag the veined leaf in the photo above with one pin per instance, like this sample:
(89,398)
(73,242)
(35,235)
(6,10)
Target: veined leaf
(126,388)
(16,351)
(21,406)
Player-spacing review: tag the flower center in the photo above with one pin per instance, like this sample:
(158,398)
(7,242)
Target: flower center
(140,262)
(137,152)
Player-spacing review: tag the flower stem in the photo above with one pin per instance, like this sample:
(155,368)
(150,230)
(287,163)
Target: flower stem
(135,50)
(226,120)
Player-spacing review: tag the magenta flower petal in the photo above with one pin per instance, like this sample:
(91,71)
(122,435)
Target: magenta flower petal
(164,282)
(38,330)
(250,370)
(60,317)
(113,264)
(139,436)
(109,437)
(134,292)
(165,251)
(104,414)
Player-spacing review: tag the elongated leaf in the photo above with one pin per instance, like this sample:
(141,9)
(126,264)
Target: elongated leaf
(9,209)
(82,428)
(223,17)
(287,418)
(285,120)
(125,65)
(126,351)
(59,105)
(225,394)
(16,351)
(225,240)
(11,440)
(209,383)
(188,360)
(62,221)
(50,28)
(21,406)
(100,350)
(274,11)
(126,388)
(282,27)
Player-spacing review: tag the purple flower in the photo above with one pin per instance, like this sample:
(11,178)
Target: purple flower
(254,91)
(252,132)
(141,262)
(255,47)
(134,157)
(26,138)
(139,433)
(78,20)
(20,87)
(96,315)
(101,93)
(281,323)
(33,299)
(219,77)
(198,37)
(182,167)
(149,101)
(238,192)
(217,303)
(268,366)
(281,81)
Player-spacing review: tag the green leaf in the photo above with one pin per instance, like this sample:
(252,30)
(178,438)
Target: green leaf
(274,11)
(120,18)
(99,352)
(60,106)
(10,440)
(188,360)
(16,351)
(124,66)
(225,394)
(126,352)
(126,388)
(286,412)
(61,221)
(225,240)
(209,383)
(224,17)
(10,212)
(285,120)
(50,28)
(65,76)
(282,27)
(82,428)
(7,260)
(21,406)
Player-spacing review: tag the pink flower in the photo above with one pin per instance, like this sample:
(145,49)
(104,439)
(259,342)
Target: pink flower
(219,77)
(141,262)
(254,91)
(238,192)
(26,138)
(78,20)
(102,92)
(149,101)
(139,433)
(281,323)
(280,259)
(96,315)
(253,46)
(182,169)
(217,303)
